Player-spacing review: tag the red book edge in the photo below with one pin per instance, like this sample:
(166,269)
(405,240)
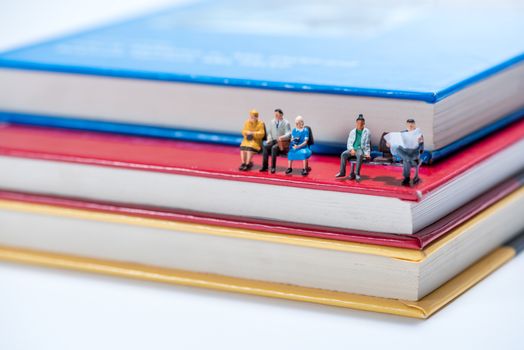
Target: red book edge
(417,241)
(221,162)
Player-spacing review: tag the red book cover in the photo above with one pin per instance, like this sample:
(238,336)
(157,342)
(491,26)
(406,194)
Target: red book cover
(216,161)
(198,159)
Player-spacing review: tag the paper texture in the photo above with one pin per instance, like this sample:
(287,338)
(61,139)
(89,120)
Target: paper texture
(311,242)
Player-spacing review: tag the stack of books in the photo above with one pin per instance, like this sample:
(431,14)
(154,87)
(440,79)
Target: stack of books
(119,152)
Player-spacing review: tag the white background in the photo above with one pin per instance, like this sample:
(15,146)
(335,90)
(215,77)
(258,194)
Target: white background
(52,309)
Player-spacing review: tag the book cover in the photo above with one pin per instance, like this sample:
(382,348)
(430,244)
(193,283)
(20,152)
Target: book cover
(416,54)
(222,138)
(416,241)
(422,308)
(221,162)
(96,212)
(416,50)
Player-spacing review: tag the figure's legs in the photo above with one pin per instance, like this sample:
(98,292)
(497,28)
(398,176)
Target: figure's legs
(275,151)
(416,179)
(249,157)
(352,175)
(360,160)
(289,166)
(408,157)
(243,158)
(343,160)
(305,170)
(406,171)
(265,155)
(402,153)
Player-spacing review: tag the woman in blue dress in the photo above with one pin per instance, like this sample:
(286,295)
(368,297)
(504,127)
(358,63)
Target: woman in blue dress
(299,147)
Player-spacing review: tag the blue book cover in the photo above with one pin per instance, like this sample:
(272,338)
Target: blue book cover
(414,50)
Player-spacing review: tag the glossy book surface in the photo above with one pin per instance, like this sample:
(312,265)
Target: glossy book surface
(221,162)
(416,50)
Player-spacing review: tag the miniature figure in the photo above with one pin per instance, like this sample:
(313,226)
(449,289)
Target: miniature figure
(358,147)
(408,145)
(301,139)
(277,140)
(254,132)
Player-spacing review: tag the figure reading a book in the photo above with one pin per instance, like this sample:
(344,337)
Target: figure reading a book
(253,132)
(358,149)
(408,145)
(277,140)
(301,139)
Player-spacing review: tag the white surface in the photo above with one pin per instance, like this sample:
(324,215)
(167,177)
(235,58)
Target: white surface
(51,309)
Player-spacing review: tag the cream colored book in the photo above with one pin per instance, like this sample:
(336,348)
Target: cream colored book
(402,281)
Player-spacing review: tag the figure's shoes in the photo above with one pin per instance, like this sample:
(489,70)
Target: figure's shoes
(357,177)
(304,172)
(339,175)
(288,171)
(308,169)
(264,169)
(242,167)
(273,170)
(405,182)
(416,180)
(352,176)
(249,166)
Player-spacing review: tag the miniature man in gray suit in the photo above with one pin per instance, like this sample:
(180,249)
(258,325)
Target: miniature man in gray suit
(358,146)
(279,129)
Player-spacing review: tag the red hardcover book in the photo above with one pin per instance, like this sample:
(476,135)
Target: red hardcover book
(418,240)
(204,161)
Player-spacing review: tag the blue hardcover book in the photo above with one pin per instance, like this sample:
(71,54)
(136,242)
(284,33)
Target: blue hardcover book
(194,71)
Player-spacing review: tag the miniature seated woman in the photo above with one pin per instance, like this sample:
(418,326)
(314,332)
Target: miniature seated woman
(299,146)
(253,133)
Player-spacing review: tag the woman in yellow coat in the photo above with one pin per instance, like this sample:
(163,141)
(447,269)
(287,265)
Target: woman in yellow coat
(253,132)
